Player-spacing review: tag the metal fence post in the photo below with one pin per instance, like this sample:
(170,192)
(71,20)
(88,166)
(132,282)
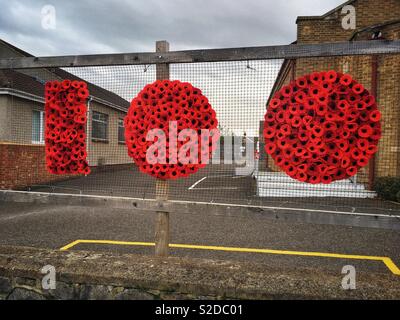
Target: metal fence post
(162,186)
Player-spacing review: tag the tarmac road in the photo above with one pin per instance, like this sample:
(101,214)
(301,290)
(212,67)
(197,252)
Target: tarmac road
(54,226)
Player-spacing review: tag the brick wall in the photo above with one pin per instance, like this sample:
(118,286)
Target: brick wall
(388,157)
(24,165)
(329,28)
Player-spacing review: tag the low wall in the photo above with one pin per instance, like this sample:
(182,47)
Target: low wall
(84,275)
(24,165)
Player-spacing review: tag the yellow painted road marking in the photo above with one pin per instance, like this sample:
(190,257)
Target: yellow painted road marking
(126,243)
(386,260)
(70,245)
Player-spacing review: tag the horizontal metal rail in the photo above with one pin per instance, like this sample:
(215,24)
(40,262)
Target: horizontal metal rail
(286,214)
(209,55)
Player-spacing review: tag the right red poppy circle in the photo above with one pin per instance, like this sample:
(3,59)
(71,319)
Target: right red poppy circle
(322,127)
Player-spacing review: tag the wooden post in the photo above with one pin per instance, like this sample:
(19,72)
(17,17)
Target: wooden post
(162,69)
(162,186)
(162,220)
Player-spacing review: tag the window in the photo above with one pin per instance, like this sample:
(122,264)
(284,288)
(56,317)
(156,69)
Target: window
(100,126)
(37,127)
(121,131)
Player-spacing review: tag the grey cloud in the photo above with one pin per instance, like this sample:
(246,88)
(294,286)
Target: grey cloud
(90,26)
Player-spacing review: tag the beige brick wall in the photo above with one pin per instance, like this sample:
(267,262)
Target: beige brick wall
(5,126)
(388,157)
(16,119)
(110,152)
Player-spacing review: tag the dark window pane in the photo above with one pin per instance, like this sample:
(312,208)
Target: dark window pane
(99,126)
(121,131)
(37,126)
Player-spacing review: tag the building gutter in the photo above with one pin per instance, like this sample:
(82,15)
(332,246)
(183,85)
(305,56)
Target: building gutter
(88,129)
(283,72)
(21,94)
(32,97)
(373,28)
(111,105)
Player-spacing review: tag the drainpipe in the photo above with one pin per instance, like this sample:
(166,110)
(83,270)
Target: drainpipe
(87,127)
(374,92)
(294,65)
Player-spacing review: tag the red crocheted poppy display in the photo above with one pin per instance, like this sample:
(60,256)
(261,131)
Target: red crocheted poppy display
(180,113)
(322,127)
(65,137)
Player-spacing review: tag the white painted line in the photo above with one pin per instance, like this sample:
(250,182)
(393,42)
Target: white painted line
(22,215)
(196,183)
(218,188)
(221,176)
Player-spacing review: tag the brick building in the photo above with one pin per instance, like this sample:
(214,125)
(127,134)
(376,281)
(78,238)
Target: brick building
(380,74)
(22,151)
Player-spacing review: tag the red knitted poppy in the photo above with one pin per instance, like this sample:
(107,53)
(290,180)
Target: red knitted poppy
(177,106)
(65,127)
(322,127)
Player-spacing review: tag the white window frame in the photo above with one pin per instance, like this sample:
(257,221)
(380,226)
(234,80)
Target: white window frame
(105,122)
(41,127)
(118,127)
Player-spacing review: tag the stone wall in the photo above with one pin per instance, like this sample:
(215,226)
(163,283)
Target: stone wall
(85,275)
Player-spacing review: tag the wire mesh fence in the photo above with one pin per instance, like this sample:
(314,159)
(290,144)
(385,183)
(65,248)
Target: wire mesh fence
(240,171)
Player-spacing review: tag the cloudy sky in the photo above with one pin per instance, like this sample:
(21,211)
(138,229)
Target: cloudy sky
(237,91)
(92,26)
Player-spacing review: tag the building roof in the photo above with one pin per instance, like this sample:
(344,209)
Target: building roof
(95,91)
(374,28)
(19,81)
(18,50)
(326,14)
(11,79)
